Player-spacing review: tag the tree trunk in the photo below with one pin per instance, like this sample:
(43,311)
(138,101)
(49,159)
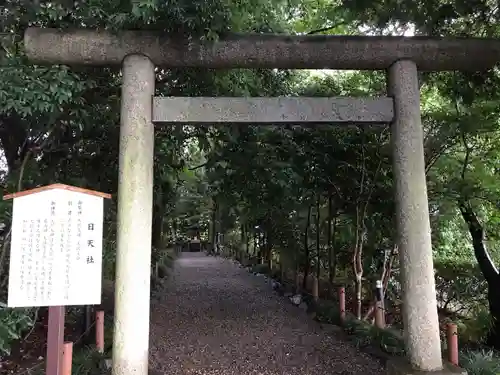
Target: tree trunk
(269,250)
(385,277)
(331,277)
(297,271)
(247,240)
(213,238)
(242,234)
(282,266)
(254,243)
(357,263)
(318,237)
(488,269)
(175,228)
(242,250)
(261,248)
(172,230)
(307,260)
(332,253)
(157,235)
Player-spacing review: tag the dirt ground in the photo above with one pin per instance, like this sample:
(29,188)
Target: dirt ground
(212,318)
(216,318)
(28,355)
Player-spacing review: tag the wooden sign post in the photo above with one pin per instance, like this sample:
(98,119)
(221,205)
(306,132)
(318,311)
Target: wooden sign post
(56,255)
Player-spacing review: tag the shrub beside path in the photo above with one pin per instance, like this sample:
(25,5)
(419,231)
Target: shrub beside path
(215,318)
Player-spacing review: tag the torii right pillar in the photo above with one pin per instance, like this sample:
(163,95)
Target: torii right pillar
(420,316)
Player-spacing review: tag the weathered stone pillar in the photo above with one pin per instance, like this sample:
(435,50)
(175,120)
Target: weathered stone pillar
(420,315)
(135,206)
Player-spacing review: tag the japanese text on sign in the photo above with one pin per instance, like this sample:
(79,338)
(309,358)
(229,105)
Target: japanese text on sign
(56,254)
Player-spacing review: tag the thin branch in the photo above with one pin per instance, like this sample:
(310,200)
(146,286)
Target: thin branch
(198,166)
(322,30)
(466,157)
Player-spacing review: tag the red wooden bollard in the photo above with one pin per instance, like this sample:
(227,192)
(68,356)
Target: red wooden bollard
(99,331)
(452,340)
(67,360)
(55,340)
(342,303)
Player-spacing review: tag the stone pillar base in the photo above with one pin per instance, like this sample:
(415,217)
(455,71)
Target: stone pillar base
(401,366)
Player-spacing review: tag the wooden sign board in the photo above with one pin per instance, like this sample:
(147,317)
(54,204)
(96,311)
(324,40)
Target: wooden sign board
(56,247)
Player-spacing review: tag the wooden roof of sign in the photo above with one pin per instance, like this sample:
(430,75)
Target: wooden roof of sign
(56,186)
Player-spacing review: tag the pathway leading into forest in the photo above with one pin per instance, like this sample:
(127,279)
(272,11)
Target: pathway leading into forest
(216,318)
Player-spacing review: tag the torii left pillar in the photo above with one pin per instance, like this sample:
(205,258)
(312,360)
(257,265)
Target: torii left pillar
(135,213)
(135,182)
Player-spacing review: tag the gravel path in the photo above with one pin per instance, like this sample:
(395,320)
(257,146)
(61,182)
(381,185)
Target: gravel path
(216,318)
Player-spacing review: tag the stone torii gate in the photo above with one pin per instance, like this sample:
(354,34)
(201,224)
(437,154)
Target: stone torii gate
(138,52)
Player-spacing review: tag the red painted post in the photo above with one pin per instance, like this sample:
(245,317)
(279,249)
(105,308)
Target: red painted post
(55,340)
(342,303)
(67,361)
(452,338)
(99,331)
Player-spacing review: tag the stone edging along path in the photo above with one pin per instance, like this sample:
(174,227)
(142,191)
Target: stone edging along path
(309,306)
